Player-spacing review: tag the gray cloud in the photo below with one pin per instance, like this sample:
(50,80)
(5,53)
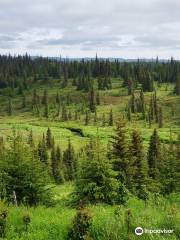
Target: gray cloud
(127,28)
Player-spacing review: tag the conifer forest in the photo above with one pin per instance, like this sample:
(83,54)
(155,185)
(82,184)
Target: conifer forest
(89,148)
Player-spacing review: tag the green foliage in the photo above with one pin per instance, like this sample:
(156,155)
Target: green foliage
(81,225)
(69,160)
(3,220)
(96,180)
(23,174)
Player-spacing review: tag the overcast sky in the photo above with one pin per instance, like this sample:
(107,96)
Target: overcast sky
(82,28)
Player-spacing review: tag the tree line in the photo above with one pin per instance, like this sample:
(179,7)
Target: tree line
(21,72)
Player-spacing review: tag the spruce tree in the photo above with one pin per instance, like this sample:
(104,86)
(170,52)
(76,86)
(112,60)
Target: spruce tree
(46,111)
(142,103)
(95,179)
(56,165)
(129,117)
(97,98)
(64,114)
(177,84)
(9,108)
(133,105)
(34,98)
(103,120)
(170,173)
(42,151)
(92,104)
(57,98)
(49,141)
(155,106)
(95,117)
(120,152)
(137,174)
(24,174)
(24,101)
(59,177)
(87,118)
(45,97)
(154,156)
(31,139)
(69,162)
(160,117)
(111,118)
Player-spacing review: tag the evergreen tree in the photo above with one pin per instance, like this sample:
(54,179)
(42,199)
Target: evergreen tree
(160,117)
(170,173)
(97,98)
(92,105)
(129,117)
(64,113)
(42,151)
(23,174)
(56,165)
(103,120)
(137,174)
(120,152)
(34,98)
(57,98)
(154,156)
(24,101)
(133,105)
(59,174)
(9,109)
(177,84)
(111,118)
(95,117)
(45,97)
(46,111)
(155,107)
(69,162)
(49,142)
(31,139)
(96,180)
(87,118)
(142,103)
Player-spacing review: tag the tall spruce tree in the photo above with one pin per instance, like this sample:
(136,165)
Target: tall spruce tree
(56,165)
(92,104)
(160,117)
(137,175)
(111,118)
(9,107)
(42,151)
(24,101)
(142,104)
(31,139)
(69,160)
(120,152)
(45,97)
(96,180)
(49,138)
(154,156)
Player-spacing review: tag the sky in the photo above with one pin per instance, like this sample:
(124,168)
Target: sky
(82,28)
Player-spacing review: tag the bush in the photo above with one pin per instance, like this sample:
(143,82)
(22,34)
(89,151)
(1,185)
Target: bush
(81,225)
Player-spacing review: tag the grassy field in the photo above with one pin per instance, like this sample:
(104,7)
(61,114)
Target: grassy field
(109,222)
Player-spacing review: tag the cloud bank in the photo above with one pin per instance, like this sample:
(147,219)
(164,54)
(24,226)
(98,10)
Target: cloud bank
(80,28)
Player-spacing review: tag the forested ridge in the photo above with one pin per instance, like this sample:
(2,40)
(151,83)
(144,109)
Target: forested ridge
(78,135)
